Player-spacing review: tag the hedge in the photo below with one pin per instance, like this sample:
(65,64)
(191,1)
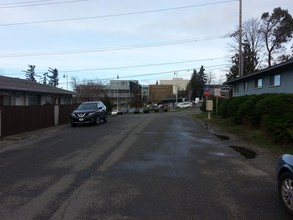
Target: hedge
(272,113)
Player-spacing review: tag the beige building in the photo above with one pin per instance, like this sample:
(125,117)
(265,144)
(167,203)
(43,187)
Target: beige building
(177,83)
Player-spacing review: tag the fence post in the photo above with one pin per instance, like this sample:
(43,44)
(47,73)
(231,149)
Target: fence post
(56,114)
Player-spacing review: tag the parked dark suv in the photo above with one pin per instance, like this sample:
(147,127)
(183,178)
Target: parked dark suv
(89,113)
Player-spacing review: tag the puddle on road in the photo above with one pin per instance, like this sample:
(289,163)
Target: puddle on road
(244,152)
(222,137)
(248,154)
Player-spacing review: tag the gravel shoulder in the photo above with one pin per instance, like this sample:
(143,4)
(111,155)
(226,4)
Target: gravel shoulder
(265,159)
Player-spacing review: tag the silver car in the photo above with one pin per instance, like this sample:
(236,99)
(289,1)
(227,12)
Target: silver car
(285,181)
(184,105)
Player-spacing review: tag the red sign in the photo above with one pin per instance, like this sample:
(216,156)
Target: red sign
(206,92)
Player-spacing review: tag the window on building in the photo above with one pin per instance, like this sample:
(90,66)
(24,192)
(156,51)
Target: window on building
(258,83)
(275,80)
(236,88)
(7,100)
(32,100)
(66,100)
(245,86)
(49,100)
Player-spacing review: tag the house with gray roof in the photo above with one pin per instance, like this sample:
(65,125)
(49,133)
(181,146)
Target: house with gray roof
(14,91)
(274,79)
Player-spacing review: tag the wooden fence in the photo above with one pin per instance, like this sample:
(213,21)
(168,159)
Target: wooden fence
(18,119)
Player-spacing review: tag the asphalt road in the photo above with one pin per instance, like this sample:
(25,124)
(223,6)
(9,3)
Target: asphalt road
(147,166)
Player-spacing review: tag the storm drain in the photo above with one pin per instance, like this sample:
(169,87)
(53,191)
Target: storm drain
(249,154)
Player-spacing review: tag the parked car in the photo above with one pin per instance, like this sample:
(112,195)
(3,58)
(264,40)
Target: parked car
(89,113)
(285,181)
(184,105)
(153,107)
(116,112)
(131,110)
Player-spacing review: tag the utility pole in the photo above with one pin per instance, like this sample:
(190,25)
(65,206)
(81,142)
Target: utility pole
(175,73)
(240,40)
(117,93)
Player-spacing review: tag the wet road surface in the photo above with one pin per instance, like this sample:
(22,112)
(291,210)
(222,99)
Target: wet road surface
(146,166)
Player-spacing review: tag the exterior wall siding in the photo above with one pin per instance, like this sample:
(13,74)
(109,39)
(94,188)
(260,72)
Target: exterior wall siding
(287,82)
(286,85)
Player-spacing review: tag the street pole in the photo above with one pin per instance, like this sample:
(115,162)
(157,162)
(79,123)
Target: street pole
(175,73)
(117,94)
(240,40)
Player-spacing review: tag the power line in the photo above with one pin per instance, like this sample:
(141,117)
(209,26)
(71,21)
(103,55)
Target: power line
(118,15)
(127,47)
(163,72)
(35,3)
(141,65)
(15,3)
(154,73)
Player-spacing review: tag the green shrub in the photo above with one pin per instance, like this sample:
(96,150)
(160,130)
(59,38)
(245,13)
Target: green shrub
(247,113)
(230,108)
(277,117)
(223,108)
(272,113)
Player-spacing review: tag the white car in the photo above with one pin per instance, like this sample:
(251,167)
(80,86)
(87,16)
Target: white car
(184,105)
(116,112)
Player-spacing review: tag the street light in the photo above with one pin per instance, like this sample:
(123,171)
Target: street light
(66,76)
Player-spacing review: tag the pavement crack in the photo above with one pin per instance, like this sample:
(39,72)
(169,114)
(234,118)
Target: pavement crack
(68,205)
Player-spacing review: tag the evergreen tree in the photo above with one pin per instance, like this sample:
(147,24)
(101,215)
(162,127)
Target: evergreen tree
(30,73)
(202,75)
(53,78)
(44,79)
(234,70)
(197,83)
(250,62)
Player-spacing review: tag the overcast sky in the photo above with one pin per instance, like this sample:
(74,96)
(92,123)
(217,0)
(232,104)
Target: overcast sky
(135,39)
